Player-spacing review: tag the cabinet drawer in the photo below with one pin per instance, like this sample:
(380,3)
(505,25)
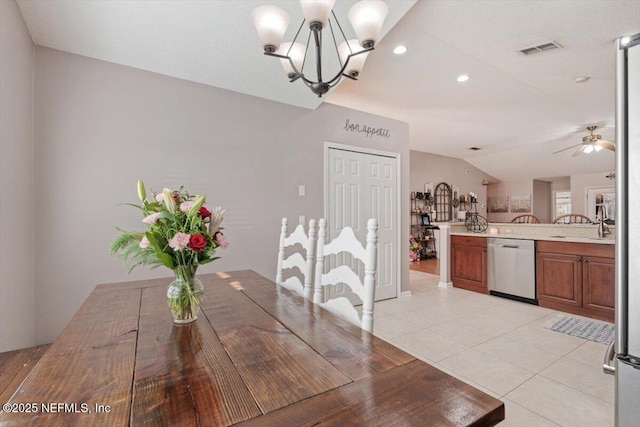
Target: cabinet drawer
(587,249)
(469,241)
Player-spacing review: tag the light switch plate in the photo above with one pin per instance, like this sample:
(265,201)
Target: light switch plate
(301,190)
(302,219)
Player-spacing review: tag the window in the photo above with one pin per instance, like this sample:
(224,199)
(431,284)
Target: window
(562,203)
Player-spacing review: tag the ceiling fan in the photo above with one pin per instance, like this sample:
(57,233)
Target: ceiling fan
(591,143)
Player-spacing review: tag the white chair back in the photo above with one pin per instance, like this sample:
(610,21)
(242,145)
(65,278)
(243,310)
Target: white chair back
(347,242)
(296,260)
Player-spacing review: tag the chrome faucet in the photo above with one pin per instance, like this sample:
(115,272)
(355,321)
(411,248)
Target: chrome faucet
(602,228)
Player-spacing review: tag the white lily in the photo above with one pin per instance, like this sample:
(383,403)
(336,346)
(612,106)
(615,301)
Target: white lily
(216,219)
(169,203)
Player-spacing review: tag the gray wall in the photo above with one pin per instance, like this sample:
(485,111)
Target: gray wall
(579,185)
(541,204)
(427,167)
(101,126)
(16,181)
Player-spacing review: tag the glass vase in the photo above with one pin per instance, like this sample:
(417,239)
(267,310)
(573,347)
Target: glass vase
(184,295)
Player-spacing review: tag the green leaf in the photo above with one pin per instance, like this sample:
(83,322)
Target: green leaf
(167,215)
(164,257)
(208,260)
(131,204)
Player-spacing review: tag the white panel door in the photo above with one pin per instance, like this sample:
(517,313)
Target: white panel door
(380,184)
(363,186)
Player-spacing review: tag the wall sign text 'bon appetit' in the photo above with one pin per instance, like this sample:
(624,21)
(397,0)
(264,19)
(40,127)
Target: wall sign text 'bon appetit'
(368,130)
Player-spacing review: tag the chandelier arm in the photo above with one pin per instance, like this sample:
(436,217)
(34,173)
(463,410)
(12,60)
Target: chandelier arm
(296,36)
(344,67)
(340,27)
(337,81)
(347,75)
(335,43)
(298,74)
(306,50)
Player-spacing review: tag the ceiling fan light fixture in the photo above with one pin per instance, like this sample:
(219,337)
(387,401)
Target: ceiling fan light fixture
(590,143)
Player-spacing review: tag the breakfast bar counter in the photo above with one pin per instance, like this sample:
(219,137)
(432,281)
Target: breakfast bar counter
(257,355)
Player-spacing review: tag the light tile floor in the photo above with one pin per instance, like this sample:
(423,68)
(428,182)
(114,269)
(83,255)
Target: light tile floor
(502,347)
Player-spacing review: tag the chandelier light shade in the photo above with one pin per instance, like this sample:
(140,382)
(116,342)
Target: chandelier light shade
(357,62)
(317,11)
(271,22)
(366,17)
(295,51)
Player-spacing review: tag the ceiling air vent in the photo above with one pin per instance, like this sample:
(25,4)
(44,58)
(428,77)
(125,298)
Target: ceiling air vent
(474,148)
(541,48)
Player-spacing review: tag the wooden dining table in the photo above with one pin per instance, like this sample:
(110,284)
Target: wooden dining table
(258,355)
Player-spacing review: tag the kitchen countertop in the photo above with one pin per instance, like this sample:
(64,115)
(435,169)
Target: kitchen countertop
(601,240)
(574,233)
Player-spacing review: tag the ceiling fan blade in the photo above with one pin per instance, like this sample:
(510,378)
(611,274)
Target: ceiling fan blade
(565,149)
(609,145)
(579,150)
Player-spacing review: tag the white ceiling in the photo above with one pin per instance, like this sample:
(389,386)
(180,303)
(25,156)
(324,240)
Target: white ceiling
(517,108)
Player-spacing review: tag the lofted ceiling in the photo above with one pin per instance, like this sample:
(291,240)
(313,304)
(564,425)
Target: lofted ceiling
(518,109)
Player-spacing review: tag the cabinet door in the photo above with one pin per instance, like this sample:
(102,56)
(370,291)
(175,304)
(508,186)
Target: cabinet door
(469,267)
(559,280)
(598,284)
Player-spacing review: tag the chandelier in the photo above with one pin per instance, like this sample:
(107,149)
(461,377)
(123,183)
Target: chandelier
(366,18)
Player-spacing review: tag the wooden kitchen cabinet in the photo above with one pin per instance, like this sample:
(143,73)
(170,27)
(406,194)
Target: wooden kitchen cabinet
(577,278)
(469,263)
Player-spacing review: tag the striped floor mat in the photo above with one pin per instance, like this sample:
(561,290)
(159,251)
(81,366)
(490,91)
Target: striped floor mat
(588,329)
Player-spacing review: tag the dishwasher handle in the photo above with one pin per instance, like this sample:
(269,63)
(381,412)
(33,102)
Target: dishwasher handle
(504,246)
(608,367)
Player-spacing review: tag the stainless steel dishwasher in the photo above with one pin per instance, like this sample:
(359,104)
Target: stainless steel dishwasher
(512,269)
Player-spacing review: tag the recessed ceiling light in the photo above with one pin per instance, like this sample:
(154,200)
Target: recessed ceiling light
(581,79)
(399,50)
(463,78)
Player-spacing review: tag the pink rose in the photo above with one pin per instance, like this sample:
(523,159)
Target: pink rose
(221,240)
(186,206)
(159,197)
(179,241)
(144,243)
(152,219)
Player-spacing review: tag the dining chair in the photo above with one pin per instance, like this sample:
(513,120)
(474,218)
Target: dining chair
(526,219)
(346,242)
(297,260)
(572,219)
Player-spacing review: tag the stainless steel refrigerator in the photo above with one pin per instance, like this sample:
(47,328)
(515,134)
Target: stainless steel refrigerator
(625,362)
